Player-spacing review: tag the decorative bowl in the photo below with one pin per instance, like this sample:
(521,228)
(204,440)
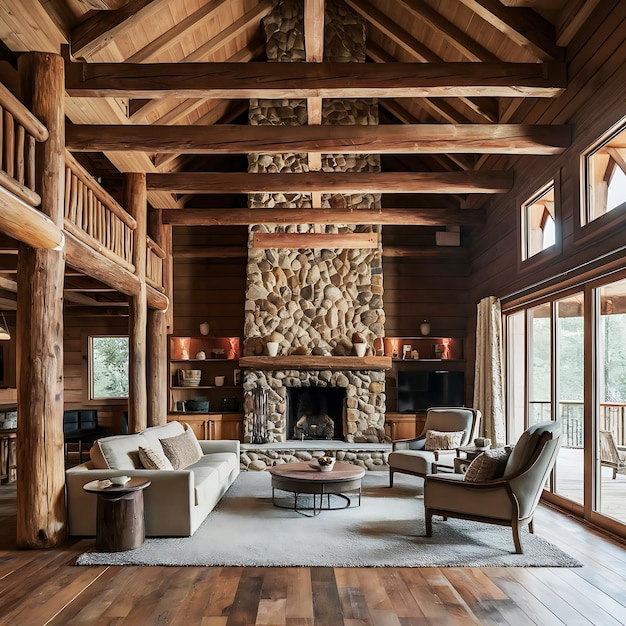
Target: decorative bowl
(326,463)
(189,378)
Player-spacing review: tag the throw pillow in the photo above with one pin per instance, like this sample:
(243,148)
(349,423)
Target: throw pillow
(153,460)
(488,466)
(442,440)
(182,450)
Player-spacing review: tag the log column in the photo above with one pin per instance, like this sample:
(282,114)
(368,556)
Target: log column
(157,338)
(41,512)
(135,202)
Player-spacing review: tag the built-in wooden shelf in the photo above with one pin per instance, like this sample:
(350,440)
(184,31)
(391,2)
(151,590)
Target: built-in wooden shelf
(311,362)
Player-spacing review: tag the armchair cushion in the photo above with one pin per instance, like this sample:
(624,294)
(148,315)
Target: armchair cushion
(438,440)
(488,465)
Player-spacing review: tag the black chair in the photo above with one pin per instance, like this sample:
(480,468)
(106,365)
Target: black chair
(80,428)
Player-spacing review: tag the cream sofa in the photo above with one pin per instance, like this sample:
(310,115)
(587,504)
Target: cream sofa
(176,502)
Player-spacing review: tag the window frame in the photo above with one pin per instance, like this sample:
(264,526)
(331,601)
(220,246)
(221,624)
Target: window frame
(584,228)
(525,262)
(88,396)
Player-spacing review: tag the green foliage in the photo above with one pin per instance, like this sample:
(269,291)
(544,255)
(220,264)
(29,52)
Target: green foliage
(613,340)
(109,363)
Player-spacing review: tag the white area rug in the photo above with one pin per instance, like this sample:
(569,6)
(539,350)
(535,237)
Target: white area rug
(245,529)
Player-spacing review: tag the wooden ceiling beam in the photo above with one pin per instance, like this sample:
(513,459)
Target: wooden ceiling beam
(315,240)
(102,27)
(141,114)
(382,139)
(309,80)
(457,38)
(434,107)
(410,45)
(447,161)
(572,18)
(314,51)
(401,217)
(334,182)
(524,26)
(103,5)
(180,30)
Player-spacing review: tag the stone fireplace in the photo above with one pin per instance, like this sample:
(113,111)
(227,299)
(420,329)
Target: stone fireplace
(314,301)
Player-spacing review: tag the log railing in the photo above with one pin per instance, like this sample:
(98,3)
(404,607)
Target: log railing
(95,218)
(19,130)
(154,265)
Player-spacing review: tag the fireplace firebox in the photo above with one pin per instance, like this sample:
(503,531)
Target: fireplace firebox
(315,412)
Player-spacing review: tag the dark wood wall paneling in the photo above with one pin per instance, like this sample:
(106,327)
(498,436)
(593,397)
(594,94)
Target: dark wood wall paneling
(593,102)
(211,289)
(74,346)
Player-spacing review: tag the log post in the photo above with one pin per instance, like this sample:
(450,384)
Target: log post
(157,340)
(41,512)
(135,202)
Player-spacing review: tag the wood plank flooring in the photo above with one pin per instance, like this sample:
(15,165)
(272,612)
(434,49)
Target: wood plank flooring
(44,587)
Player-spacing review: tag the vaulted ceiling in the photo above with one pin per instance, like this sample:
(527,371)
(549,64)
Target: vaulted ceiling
(455,82)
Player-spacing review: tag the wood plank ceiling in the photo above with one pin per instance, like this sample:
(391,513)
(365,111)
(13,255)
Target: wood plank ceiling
(450,78)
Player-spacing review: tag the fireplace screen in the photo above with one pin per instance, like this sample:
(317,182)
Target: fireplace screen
(316,412)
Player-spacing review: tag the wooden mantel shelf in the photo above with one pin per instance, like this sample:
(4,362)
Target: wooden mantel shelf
(308,362)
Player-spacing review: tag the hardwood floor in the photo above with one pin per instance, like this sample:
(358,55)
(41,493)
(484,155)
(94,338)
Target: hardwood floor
(44,587)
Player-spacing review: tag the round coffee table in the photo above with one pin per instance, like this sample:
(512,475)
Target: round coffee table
(305,478)
(119,521)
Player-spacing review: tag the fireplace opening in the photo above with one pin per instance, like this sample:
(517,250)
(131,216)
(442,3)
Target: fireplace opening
(315,412)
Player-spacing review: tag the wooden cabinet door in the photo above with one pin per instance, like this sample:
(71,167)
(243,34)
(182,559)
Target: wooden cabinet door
(197,423)
(226,426)
(400,425)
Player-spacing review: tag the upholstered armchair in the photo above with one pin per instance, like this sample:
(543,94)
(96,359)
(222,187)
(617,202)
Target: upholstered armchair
(411,456)
(507,501)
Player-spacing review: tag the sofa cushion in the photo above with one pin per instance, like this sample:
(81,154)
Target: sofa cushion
(206,482)
(154,434)
(118,452)
(442,440)
(488,466)
(222,462)
(153,460)
(182,450)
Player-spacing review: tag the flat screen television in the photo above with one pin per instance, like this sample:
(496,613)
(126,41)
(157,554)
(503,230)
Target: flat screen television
(418,390)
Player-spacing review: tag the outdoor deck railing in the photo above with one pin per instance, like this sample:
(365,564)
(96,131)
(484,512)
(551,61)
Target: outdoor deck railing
(612,417)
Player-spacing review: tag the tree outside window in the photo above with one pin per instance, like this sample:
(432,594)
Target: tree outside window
(108,367)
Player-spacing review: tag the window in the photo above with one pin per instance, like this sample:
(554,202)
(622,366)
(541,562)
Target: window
(538,222)
(108,367)
(605,175)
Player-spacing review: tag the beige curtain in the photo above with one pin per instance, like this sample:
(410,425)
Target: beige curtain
(488,391)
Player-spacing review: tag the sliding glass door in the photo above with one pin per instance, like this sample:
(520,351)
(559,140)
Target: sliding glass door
(610,403)
(566,361)
(569,379)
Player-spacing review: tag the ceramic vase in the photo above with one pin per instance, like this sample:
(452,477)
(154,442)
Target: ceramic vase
(204,328)
(425,328)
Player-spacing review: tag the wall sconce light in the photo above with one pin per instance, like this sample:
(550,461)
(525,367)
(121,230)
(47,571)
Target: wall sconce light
(4,329)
